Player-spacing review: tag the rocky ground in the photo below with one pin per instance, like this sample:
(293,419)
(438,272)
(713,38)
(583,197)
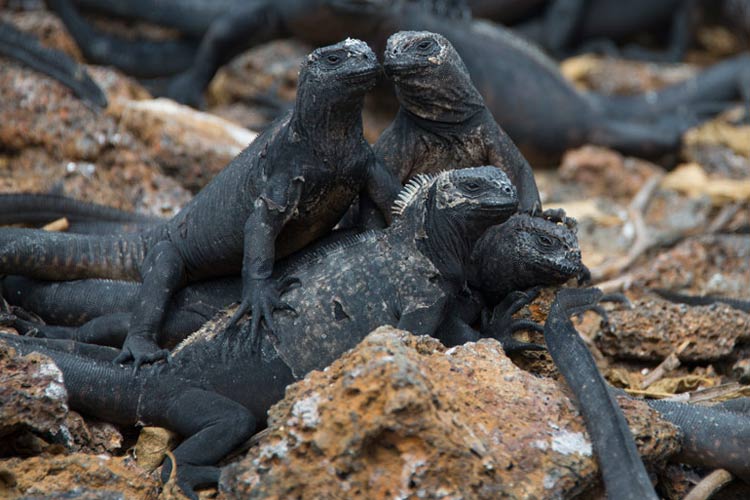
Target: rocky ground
(399,416)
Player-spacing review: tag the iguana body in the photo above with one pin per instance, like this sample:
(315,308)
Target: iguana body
(443,119)
(539,252)
(25,48)
(523,88)
(286,189)
(404,276)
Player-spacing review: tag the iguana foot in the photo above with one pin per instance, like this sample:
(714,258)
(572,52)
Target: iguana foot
(264,298)
(140,350)
(501,326)
(190,477)
(558,216)
(597,307)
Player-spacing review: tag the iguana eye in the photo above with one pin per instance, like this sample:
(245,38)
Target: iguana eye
(471,186)
(424,45)
(545,240)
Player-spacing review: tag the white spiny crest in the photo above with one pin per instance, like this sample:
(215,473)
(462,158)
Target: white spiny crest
(409,192)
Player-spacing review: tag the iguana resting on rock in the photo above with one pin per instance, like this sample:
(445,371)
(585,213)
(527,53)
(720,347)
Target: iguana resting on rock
(285,190)
(538,108)
(26,49)
(716,437)
(406,276)
(520,254)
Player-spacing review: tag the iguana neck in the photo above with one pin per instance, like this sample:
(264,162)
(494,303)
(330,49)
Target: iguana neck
(447,243)
(325,122)
(443,239)
(447,97)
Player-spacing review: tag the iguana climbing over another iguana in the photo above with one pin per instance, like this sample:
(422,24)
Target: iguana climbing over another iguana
(406,276)
(285,190)
(522,253)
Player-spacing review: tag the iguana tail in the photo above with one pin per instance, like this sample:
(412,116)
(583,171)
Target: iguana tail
(69,303)
(61,256)
(84,217)
(713,437)
(27,49)
(712,89)
(95,386)
(140,58)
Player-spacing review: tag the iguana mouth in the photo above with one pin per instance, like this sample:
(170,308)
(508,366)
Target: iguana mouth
(362,76)
(403,69)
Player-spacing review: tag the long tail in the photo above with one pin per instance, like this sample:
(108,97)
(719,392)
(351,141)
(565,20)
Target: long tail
(139,58)
(69,303)
(84,217)
(27,49)
(98,388)
(718,84)
(625,476)
(60,256)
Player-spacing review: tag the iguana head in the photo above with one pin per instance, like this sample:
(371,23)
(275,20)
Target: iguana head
(338,72)
(465,201)
(446,213)
(524,252)
(431,80)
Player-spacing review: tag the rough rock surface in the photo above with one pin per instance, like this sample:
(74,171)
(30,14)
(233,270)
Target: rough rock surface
(79,475)
(621,76)
(388,420)
(117,156)
(603,172)
(32,395)
(654,328)
(704,265)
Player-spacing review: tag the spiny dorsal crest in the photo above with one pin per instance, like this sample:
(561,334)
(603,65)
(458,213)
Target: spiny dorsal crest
(416,185)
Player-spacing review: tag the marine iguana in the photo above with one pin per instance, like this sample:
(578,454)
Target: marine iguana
(289,187)
(26,49)
(405,276)
(443,118)
(540,253)
(538,108)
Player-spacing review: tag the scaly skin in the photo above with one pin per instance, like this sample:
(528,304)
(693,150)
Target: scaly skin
(443,118)
(409,270)
(539,252)
(285,190)
(25,48)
